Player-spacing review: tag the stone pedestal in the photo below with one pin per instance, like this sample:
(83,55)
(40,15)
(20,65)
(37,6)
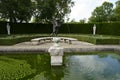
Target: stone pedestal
(56,60)
(56,53)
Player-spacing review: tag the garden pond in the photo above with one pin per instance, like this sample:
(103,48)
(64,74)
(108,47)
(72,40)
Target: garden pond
(78,66)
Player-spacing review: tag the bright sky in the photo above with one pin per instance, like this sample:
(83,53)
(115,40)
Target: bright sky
(83,8)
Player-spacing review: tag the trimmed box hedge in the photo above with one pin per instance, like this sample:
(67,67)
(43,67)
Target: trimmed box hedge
(98,39)
(107,41)
(86,38)
(14,39)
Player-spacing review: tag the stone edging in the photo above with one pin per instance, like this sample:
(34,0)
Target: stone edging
(18,49)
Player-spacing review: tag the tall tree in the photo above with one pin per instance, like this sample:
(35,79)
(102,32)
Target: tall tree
(82,21)
(117,11)
(16,10)
(49,9)
(43,10)
(102,13)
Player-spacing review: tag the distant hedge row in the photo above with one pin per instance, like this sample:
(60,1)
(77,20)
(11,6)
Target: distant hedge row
(27,28)
(101,28)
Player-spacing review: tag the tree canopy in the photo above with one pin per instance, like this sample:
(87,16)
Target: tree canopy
(16,10)
(102,13)
(106,13)
(51,9)
(42,10)
(117,11)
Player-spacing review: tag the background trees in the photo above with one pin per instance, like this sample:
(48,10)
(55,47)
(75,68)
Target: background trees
(102,13)
(42,10)
(16,10)
(106,13)
(117,11)
(50,9)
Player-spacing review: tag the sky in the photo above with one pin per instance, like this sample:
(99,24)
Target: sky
(83,8)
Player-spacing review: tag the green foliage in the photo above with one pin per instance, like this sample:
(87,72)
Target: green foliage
(107,41)
(43,10)
(3,29)
(101,28)
(23,66)
(14,39)
(108,28)
(106,13)
(82,21)
(97,39)
(50,9)
(27,28)
(16,10)
(102,13)
(76,28)
(86,38)
(117,11)
(31,28)
(13,69)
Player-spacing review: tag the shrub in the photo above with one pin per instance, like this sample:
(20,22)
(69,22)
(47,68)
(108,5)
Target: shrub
(13,69)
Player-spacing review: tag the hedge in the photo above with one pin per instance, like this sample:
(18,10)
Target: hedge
(17,66)
(14,69)
(97,39)
(108,41)
(108,28)
(3,28)
(14,39)
(76,28)
(30,28)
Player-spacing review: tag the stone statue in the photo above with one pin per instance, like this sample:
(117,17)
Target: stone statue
(94,29)
(56,25)
(8,28)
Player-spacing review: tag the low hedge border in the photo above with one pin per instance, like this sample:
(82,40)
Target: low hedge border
(108,41)
(98,39)
(14,39)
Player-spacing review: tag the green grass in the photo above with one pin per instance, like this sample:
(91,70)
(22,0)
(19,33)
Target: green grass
(97,39)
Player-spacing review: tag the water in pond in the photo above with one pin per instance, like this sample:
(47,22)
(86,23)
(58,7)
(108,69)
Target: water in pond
(76,67)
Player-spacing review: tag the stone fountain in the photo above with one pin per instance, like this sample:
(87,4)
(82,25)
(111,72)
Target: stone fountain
(56,52)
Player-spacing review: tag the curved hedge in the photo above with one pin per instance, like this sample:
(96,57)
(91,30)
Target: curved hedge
(30,28)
